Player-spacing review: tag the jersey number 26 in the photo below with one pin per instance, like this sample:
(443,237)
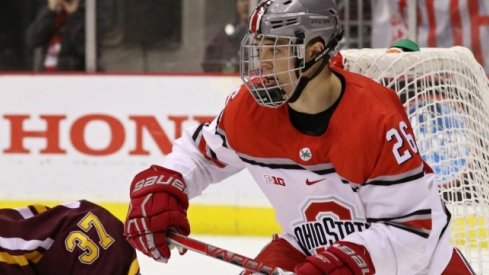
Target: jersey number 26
(400,138)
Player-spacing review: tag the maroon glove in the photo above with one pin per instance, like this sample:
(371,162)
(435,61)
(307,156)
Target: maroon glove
(158,205)
(342,258)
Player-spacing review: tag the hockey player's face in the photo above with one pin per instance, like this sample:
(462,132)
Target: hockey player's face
(276,59)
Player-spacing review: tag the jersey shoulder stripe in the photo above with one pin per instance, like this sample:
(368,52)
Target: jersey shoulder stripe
(403,177)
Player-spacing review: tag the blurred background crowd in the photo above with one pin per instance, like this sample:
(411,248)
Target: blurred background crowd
(194,36)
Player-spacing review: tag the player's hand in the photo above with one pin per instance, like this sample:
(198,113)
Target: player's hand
(158,205)
(342,258)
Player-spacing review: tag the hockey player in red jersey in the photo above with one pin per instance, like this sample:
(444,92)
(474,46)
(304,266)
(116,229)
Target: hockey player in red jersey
(77,237)
(355,195)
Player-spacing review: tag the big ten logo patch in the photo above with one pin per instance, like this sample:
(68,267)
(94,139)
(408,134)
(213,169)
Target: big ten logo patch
(325,222)
(274,180)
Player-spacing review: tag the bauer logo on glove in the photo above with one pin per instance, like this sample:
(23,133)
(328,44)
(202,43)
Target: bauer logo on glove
(162,179)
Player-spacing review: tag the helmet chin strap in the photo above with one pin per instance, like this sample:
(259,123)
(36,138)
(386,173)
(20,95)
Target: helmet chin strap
(303,81)
(324,55)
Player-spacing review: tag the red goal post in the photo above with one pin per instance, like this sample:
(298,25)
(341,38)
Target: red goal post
(446,95)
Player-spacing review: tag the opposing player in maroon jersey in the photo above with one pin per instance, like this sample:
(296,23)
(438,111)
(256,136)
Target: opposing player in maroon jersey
(333,152)
(76,237)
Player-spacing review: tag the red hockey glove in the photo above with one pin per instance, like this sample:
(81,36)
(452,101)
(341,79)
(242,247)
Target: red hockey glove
(158,205)
(342,258)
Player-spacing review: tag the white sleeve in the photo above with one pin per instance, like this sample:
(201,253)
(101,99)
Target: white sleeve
(408,228)
(202,157)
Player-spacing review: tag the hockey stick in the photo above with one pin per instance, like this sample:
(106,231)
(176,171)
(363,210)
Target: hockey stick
(224,255)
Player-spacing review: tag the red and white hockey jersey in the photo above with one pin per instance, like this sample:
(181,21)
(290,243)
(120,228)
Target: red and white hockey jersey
(362,180)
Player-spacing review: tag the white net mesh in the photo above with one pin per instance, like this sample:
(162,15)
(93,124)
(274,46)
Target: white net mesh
(446,95)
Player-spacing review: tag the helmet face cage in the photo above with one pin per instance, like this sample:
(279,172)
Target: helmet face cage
(259,52)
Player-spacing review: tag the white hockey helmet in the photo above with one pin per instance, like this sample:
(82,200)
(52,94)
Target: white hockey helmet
(296,22)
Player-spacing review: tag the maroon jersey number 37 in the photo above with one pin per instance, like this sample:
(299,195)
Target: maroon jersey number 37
(77,237)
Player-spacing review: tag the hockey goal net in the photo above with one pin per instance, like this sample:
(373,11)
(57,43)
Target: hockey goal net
(446,95)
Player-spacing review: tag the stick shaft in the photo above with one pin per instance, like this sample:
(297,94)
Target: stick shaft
(221,254)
